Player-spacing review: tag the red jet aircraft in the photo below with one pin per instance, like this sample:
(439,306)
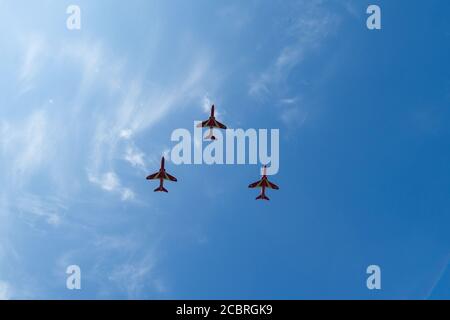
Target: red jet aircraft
(162,175)
(212,123)
(264,184)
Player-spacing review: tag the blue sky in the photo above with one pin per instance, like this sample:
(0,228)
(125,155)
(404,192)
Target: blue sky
(364,146)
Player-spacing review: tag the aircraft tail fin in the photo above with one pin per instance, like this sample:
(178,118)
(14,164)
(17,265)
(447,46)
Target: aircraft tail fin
(263,197)
(161,189)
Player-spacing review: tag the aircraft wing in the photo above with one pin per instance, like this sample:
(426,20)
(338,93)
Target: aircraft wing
(264,183)
(170,177)
(211,123)
(219,125)
(272,185)
(154,176)
(204,124)
(256,184)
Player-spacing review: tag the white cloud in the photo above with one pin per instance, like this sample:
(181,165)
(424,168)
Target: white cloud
(115,242)
(110,182)
(166,153)
(294,116)
(126,134)
(127,194)
(91,58)
(260,85)
(312,25)
(352,8)
(32,207)
(33,139)
(32,60)
(292,112)
(132,272)
(136,276)
(207,103)
(289,101)
(138,110)
(135,157)
(92,125)
(132,107)
(24,146)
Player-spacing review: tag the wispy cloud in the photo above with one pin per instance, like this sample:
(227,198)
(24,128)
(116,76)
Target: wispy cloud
(24,146)
(33,207)
(134,272)
(312,25)
(353,8)
(61,138)
(139,273)
(137,112)
(133,277)
(54,138)
(32,60)
(206,104)
(294,116)
(135,157)
(110,182)
(126,134)
(292,112)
